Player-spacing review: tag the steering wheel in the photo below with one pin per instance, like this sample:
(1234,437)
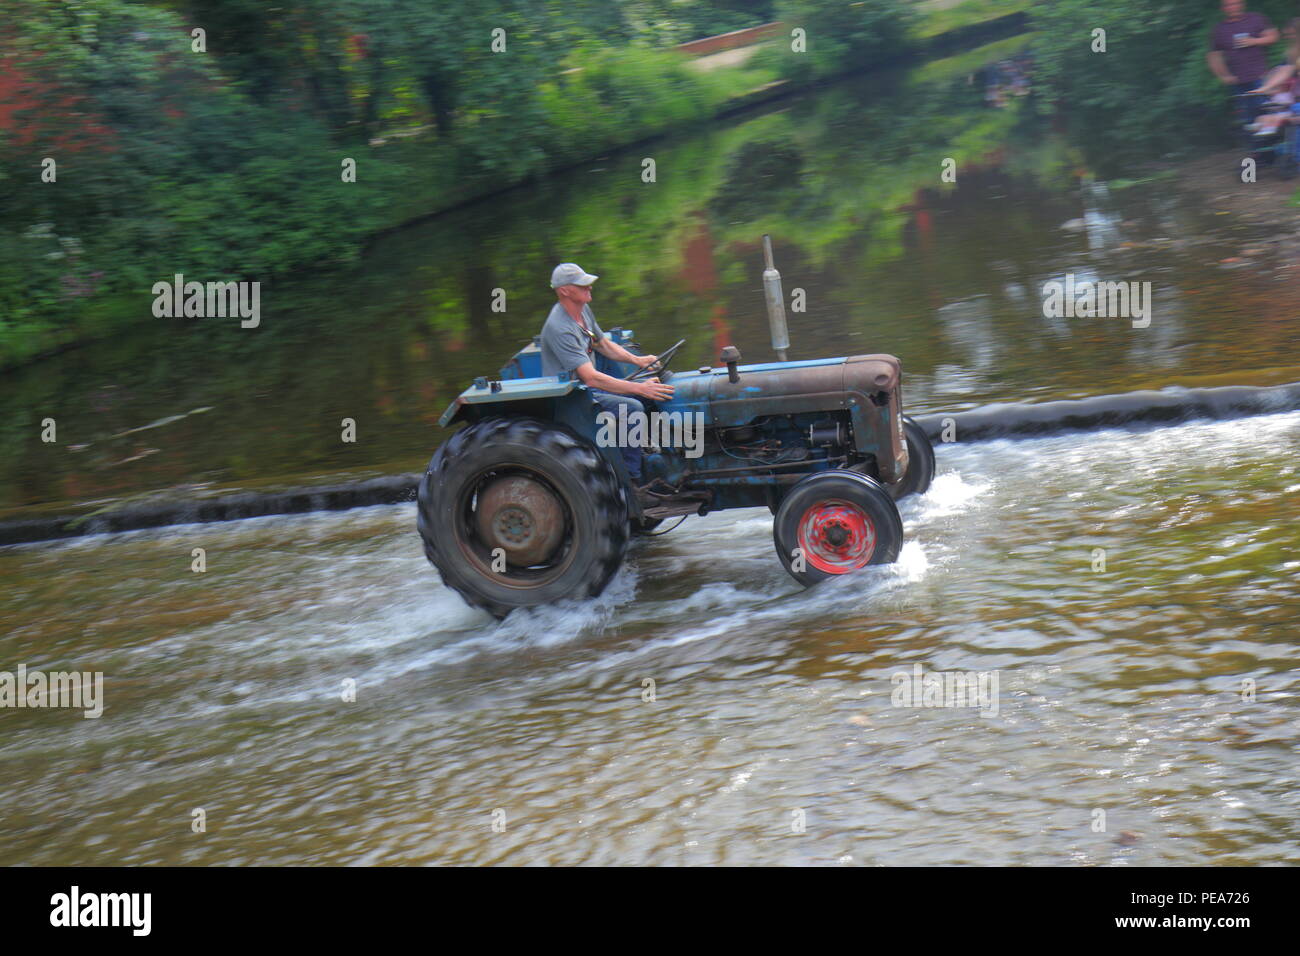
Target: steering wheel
(656,367)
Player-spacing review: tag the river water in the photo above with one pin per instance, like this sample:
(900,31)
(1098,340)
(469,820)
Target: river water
(1135,593)
(1119,690)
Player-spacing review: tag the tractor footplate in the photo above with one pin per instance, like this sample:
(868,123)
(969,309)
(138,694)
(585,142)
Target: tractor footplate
(672,508)
(671,505)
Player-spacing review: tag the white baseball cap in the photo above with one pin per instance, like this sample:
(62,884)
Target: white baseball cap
(570,273)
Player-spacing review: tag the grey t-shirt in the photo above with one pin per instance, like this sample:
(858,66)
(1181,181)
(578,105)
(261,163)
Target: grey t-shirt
(565,346)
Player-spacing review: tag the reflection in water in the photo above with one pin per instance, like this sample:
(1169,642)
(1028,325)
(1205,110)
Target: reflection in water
(1119,690)
(968,325)
(1101,219)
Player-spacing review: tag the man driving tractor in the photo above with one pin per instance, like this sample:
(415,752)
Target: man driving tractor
(569,340)
(527,504)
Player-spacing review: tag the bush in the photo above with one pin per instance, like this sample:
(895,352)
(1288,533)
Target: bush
(162,167)
(619,96)
(843,36)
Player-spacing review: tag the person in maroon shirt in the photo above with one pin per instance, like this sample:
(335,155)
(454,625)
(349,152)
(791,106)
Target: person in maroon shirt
(1237,55)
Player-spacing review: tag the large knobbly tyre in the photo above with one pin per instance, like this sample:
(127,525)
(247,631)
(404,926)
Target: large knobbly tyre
(920,463)
(516,512)
(834,522)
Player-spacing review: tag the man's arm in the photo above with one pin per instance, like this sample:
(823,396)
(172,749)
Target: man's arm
(1215,59)
(654,389)
(1269,35)
(1267,38)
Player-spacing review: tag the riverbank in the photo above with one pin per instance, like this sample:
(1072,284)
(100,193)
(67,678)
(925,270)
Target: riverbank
(74,290)
(1263,217)
(1269,202)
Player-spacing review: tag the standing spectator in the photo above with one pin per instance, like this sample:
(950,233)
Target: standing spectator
(1237,54)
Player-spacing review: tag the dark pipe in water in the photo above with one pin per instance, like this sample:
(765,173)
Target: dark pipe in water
(389,489)
(1169,406)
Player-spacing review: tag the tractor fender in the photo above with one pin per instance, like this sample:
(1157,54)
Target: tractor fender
(555,399)
(481,398)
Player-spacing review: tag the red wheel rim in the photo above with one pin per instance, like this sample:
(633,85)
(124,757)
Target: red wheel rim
(837,536)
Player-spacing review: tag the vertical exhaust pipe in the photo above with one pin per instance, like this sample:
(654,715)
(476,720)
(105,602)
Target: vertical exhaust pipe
(775,302)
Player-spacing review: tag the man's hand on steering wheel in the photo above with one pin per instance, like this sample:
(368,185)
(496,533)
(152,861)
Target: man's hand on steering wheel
(652,365)
(646,377)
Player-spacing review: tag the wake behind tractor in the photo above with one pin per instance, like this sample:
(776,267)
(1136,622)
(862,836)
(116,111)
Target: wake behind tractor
(531,503)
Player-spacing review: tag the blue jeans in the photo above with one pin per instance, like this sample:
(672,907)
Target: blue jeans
(609,402)
(1247,108)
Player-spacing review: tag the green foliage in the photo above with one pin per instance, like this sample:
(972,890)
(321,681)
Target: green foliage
(968,13)
(188,175)
(617,96)
(843,36)
(966,64)
(669,22)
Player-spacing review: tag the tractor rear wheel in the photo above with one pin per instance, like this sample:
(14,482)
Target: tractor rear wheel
(515,512)
(920,463)
(834,522)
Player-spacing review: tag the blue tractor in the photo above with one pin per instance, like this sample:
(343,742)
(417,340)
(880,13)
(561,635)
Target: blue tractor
(531,503)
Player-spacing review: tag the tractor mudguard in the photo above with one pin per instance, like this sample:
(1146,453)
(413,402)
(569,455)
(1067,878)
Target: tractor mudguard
(559,399)
(476,401)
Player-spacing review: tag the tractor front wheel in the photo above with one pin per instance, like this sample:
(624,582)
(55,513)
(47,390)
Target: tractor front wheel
(920,463)
(515,512)
(834,522)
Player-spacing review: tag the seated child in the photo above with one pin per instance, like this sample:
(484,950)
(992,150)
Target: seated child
(1282,87)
